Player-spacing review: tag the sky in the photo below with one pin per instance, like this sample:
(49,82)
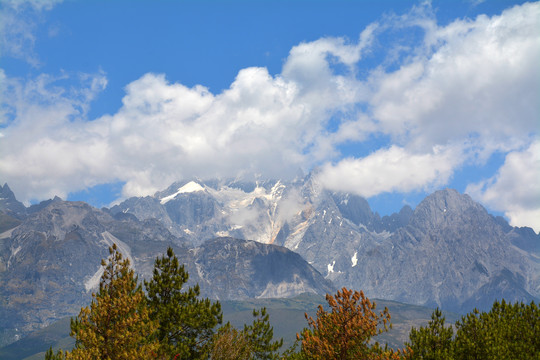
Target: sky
(390,100)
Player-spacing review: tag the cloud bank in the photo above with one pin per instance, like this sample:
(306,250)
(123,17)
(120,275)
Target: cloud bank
(461,93)
(515,188)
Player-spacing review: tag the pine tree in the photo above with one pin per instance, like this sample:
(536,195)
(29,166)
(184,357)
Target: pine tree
(117,323)
(230,344)
(50,355)
(346,330)
(433,342)
(186,323)
(260,335)
(507,331)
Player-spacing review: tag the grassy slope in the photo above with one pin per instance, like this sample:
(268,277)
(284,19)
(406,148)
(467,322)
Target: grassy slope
(286,316)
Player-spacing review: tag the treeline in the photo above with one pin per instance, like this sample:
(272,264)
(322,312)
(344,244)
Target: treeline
(165,321)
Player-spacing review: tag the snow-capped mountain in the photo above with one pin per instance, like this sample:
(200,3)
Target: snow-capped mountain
(448,252)
(200,211)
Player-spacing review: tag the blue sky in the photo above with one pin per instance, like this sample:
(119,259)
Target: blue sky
(102,100)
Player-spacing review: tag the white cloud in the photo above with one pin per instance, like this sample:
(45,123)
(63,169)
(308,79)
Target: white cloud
(515,189)
(464,91)
(47,148)
(18,25)
(391,170)
(476,77)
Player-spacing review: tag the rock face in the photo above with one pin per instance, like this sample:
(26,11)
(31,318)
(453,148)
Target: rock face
(50,263)
(451,254)
(448,252)
(9,204)
(232,269)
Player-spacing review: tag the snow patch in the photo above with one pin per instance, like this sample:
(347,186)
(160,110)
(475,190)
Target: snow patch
(222,233)
(354,259)
(187,231)
(190,187)
(331,267)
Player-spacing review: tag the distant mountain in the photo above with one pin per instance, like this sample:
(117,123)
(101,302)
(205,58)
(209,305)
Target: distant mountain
(50,263)
(447,252)
(451,254)
(232,269)
(9,204)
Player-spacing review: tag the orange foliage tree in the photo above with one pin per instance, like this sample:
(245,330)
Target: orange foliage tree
(345,331)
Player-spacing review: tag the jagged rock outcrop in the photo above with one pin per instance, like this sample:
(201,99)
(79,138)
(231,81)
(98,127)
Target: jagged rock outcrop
(451,254)
(448,252)
(9,205)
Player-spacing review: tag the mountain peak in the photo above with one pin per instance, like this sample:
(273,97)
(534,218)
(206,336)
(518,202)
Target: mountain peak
(5,191)
(445,206)
(9,203)
(190,187)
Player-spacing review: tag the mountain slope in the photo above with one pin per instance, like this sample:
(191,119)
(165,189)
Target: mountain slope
(50,263)
(448,252)
(451,254)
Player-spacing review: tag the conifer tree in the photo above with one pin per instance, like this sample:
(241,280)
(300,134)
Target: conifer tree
(117,323)
(507,331)
(260,335)
(230,344)
(186,323)
(346,330)
(50,355)
(433,342)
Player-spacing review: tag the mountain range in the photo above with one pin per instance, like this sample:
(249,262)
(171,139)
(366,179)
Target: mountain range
(263,239)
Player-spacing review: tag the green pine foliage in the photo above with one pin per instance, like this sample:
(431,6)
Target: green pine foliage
(123,322)
(50,355)
(230,344)
(254,342)
(506,332)
(260,335)
(117,324)
(186,323)
(433,342)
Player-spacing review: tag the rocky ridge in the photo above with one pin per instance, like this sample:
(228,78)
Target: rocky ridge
(50,263)
(448,252)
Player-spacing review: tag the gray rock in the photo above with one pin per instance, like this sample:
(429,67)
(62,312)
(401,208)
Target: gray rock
(50,263)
